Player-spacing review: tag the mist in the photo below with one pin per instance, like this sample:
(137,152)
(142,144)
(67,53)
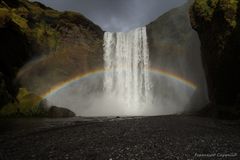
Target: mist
(86,97)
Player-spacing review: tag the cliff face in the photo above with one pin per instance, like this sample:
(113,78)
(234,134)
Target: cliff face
(217,23)
(175,47)
(30,30)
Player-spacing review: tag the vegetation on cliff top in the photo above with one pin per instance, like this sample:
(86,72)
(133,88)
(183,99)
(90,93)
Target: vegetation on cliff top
(31,20)
(220,16)
(42,24)
(207,8)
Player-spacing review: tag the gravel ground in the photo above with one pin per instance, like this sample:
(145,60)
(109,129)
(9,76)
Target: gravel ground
(165,137)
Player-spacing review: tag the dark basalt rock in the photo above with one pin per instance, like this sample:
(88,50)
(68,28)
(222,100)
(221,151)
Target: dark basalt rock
(4,94)
(11,3)
(57,112)
(14,52)
(219,32)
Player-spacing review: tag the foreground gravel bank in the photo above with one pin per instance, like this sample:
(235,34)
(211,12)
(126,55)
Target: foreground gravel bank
(166,137)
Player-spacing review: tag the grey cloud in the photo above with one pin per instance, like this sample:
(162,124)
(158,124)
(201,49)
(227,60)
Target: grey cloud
(117,15)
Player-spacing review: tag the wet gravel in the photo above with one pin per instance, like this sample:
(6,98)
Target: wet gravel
(131,138)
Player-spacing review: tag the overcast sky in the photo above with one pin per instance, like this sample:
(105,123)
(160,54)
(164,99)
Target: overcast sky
(117,15)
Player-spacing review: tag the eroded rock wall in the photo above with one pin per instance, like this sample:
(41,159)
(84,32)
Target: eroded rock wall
(175,47)
(217,23)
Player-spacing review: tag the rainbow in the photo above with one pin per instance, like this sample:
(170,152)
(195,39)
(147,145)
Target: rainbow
(73,79)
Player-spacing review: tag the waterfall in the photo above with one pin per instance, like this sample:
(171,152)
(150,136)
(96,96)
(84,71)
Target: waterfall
(127,87)
(126,58)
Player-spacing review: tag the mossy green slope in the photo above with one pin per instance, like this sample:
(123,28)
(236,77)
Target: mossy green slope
(30,29)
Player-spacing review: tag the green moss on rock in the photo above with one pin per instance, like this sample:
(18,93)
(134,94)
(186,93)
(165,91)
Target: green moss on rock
(4,15)
(229,8)
(34,20)
(27,105)
(207,8)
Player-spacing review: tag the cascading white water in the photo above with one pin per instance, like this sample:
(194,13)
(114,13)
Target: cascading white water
(126,77)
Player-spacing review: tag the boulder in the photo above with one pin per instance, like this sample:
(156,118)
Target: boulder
(58,112)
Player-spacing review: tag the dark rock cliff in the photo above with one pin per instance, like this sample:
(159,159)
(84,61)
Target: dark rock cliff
(218,25)
(174,46)
(29,30)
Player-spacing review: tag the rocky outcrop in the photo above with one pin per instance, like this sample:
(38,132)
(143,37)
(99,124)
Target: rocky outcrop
(50,39)
(57,112)
(218,25)
(54,111)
